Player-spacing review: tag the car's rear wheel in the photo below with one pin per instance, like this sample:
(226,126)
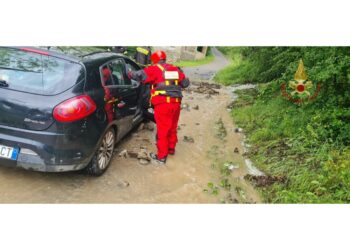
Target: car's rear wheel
(103,156)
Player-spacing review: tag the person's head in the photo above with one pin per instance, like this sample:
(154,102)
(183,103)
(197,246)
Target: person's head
(158,56)
(106,74)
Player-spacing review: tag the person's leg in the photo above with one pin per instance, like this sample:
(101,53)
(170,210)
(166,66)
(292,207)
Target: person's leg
(163,119)
(172,139)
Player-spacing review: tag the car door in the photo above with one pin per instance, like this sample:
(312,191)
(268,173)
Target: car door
(144,106)
(125,95)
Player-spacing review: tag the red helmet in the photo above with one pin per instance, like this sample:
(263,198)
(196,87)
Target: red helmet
(157,56)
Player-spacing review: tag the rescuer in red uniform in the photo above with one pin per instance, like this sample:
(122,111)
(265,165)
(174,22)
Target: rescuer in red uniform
(166,82)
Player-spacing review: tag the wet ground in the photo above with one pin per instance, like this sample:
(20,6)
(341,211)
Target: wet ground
(207,141)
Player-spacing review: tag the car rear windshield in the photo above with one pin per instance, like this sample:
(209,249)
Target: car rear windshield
(37,73)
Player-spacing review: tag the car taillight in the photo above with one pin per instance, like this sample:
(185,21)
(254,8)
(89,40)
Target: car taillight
(74,109)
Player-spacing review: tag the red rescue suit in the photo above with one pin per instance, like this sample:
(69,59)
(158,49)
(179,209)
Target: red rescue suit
(166,82)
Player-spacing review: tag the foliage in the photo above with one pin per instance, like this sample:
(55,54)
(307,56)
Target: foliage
(309,144)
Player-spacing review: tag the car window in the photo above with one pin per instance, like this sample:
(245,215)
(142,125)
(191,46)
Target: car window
(117,68)
(131,65)
(36,73)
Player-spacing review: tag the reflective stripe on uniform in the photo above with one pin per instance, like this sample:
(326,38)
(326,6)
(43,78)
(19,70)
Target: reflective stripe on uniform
(142,50)
(160,67)
(168,99)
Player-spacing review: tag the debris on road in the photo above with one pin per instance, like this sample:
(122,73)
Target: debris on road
(132,154)
(123,184)
(188,139)
(149,126)
(196,107)
(238,130)
(143,155)
(221,132)
(263,181)
(231,166)
(124,154)
(185,106)
(230,106)
(144,162)
(236,150)
(205,90)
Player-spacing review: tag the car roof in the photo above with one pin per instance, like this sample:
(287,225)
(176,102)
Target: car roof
(84,55)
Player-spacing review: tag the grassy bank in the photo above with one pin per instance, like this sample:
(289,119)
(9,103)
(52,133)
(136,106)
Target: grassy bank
(208,59)
(306,146)
(231,74)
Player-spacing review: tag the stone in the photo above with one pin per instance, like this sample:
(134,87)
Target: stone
(185,106)
(123,184)
(124,153)
(143,155)
(143,161)
(188,139)
(149,126)
(196,107)
(236,150)
(238,130)
(132,154)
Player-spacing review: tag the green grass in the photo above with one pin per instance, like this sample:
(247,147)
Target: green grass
(287,140)
(194,63)
(232,73)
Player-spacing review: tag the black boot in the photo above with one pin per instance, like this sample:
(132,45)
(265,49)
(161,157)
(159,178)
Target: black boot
(156,159)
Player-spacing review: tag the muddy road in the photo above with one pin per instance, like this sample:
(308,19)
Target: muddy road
(208,166)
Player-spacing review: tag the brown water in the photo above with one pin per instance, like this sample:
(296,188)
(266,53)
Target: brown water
(182,180)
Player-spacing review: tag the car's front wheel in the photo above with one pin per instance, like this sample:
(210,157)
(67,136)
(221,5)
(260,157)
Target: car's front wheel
(103,156)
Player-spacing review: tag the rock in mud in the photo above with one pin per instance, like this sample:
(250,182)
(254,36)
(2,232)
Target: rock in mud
(144,162)
(132,154)
(206,90)
(196,107)
(230,106)
(238,130)
(231,167)
(185,106)
(149,126)
(188,139)
(198,124)
(236,150)
(143,155)
(124,153)
(263,181)
(123,184)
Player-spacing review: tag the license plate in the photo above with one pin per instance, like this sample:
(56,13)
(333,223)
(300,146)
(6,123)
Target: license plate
(8,152)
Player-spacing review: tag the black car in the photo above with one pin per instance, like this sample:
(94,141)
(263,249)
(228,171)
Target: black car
(60,112)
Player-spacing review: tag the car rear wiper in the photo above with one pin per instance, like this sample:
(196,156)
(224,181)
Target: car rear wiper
(3,83)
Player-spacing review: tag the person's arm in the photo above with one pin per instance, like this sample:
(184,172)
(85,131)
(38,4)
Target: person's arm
(184,82)
(145,75)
